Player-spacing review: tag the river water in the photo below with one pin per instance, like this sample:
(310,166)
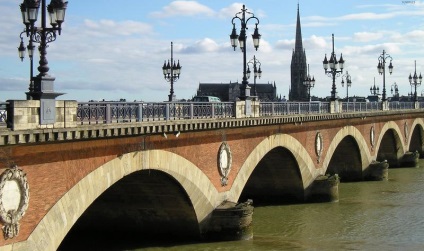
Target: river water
(375,215)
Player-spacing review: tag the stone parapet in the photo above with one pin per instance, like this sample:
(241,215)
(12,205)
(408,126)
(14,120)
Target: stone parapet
(25,114)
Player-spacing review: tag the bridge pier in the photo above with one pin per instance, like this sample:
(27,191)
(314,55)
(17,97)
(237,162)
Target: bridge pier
(230,221)
(409,159)
(325,188)
(377,171)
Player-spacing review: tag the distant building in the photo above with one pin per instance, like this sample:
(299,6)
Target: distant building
(231,91)
(298,91)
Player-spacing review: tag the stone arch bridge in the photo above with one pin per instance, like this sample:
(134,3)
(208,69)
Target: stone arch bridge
(171,175)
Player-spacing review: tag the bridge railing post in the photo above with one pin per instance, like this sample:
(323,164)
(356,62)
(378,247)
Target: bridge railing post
(272,109)
(191,111)
(167,112)
(212,110)
(108,114)
(140,113)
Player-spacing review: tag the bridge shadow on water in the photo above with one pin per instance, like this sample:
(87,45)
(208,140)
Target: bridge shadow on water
(117,240)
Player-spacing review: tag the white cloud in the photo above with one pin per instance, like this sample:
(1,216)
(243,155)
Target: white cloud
(202,46)
(106,27)
(183,8)
(367,36)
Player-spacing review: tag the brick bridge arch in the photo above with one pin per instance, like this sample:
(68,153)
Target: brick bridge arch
(346,131)
(305,163)
(49,233)
(416,142)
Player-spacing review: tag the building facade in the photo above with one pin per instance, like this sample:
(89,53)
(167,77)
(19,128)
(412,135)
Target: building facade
(231,91)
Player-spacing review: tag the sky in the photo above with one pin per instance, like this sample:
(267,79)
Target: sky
(116,49)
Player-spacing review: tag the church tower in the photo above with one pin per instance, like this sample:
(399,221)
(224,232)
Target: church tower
(298,92)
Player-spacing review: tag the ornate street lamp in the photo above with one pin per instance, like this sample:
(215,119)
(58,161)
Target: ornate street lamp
(381,67)
(374,90)
(171,72)
(331,68)
(256,71)
(348,84)
(395,90)
(309,83)
(415,81)
(41,86)
(241,39)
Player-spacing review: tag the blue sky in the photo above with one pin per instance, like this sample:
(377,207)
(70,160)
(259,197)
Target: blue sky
(115,49)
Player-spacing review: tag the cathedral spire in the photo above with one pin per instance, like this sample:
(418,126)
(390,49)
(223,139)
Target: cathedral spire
(298,45)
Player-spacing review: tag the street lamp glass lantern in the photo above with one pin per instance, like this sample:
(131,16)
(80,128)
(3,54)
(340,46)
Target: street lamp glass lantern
(260,72)
(331,62)
(32,9)
(24,14)
(380,68)
(57,9)
(21,50)
(325,62)
(164,70)
(234,38)
(242,39)
(341,62)
(390,67)
(30,49)
(248,72)
(420,79)
(256,38)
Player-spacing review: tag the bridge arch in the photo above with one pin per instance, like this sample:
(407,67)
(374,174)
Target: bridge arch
(416,137)
(390,145)
(348,136)
(306,166)
(56,224)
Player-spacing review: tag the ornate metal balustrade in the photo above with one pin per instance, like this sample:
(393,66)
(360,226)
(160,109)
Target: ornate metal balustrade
(288,108)
(3,113)
(118,112)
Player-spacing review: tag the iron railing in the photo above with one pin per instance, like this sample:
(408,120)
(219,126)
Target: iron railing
(118,112)
(3,112)
(121,112)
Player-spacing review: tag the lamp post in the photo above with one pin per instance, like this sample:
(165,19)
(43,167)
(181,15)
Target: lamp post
(333,64)
(21,50)
(171,72)
(256,71)
(395,90)
(415,81)
(374,90)
(348,84)
(241,39)
(309,83)
(41,86)
(381,67)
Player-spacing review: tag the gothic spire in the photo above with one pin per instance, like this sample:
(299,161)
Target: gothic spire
(298,45)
